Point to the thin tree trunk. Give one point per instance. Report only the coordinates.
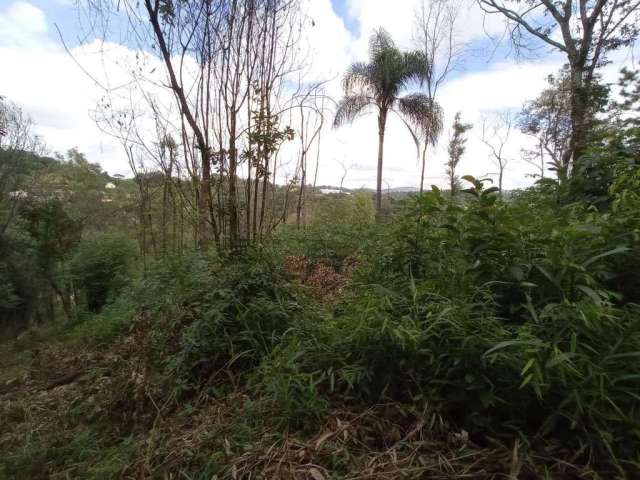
(255, 196)
(303, 180)
(315, 175)
(263, 203)
(232, 200)
(248, 182)
(165, 208)
(424, 161)
(382, 121)
(153, 11)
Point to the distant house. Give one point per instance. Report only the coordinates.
(110, 186)
(18, 194)
(333, 190)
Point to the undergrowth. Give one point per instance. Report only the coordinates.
(474, 323)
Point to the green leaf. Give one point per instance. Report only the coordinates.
(615, 251)
(549, 277)
(527, 366)
(591, 293)
(470, 178)
(508, 343)
(625, 355)
(634, 376)
(526, 381)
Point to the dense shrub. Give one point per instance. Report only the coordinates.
(338, 229)
(212, 313)
(103, 327)
(101, 268)
(503, 313)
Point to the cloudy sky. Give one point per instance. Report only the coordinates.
(37, 73)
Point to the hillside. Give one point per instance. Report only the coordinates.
(221, 310)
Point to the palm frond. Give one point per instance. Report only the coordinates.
(413, 130)
(359, 77)
(349, 107)
(415, 67)
(424, 113)
(379, 42)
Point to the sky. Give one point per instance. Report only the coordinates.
(55, 84)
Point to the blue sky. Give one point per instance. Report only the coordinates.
(62, 99)
(341, 8)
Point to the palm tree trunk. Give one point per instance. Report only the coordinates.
(382, 122)
(424, 161)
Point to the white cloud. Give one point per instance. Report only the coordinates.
(49, 86)
(22, 24)
(48, 83)
(398, 18)
(326, 41)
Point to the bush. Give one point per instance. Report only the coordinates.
(101, 328)
(337, 230)
(501, 313)
(102, 267)
(212, 313)
(290, 395)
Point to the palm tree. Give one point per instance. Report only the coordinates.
(378, 84)
(427, 133)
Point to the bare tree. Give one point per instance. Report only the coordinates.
(346, 167)
(16, 140)
(311, 123)
(588, 31)
(536, 158)
(225, 63)
(436, 37)
(495, 135)
(16, 130)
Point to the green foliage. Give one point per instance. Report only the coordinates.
(101, 268)
(456, 148)
(516, 319)
(87, 454)
(54, 232)
(103, 327)
(290, 394)
(46, 204)
(339, 225)
(216, 313)
(614, 148)
(356, 209)
(491, 309)
(21, 277)
(8, 297)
